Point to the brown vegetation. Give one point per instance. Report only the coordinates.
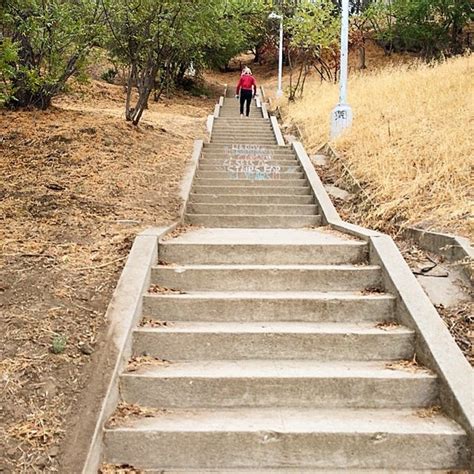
(78, 184)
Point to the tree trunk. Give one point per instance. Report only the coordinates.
(362, 61)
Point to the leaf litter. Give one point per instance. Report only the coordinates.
(73, 175)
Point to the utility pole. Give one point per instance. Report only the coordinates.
(341, 116)
(274, 16)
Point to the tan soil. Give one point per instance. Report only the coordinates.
(78, 184)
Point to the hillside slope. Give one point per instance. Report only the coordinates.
(78, 184)
(410, 145)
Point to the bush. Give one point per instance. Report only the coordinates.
(43, 45)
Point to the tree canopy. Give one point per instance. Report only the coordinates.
(43, 43)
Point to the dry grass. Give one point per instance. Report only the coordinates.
(410, 145)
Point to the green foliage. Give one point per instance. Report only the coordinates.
(429, 27)
(8, 61)
(313, 31)
(52, 39)
(58, 344)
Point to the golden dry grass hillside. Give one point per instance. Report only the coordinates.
(411, 142)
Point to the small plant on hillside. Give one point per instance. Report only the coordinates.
(58, 345)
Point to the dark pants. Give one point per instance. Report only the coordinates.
(245, 98)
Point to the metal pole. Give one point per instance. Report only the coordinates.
(341, 116)
(344, 52)
(280, 61)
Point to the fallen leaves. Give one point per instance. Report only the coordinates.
(154, 323)
(163, 290)
(126, 412)
(407, 365)
(387, 325)
(429, 412)
(119, 469)
(138, 362)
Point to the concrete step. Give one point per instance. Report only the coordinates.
(243, 133)
(257, 438)
(298, 471)
(239, 341)
(225, 165)
(273, 173)
(243, 148)
(236, 115)
(272, 183)
(243, 141)
(267, 277)
(256, 129)
(276, 155)
(249, 221)
(251, 199)
(271, 306)
(222, 160)
(262, 254)
(253, 209)
(247, 121)
(251, 190)
(277, 383)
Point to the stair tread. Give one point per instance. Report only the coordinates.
(275, 295)
(179, 268)
(266, 237)
(280, 327)
(289, 369)
(296, 420)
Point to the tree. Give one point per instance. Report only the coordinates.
(428, 27)
(158, 40)
(44, 43)
(314, 37)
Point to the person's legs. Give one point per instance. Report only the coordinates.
(248, 100)
(242, 102)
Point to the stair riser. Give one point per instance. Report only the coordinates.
(179, 308)
(244, 131)
(213, 449)
(242, 135)
(256, 130)
(273, 174)
(251, 190)
(243, 141)
(350, 392)
(266, 280)
(252, 199)
(219, 164)
(218, 147)
(271, 183)
(253, 222)
(263, 254)
(276, 346)
(253, 209)
(220, 157)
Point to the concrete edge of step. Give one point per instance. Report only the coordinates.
(122, 315)
(277, 131)
(435, 346)
(189, 175)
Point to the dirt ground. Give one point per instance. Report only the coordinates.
(78, 183)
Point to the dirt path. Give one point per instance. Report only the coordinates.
(79, 183)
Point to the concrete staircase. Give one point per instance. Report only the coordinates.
(271, 347)
(245, 179)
